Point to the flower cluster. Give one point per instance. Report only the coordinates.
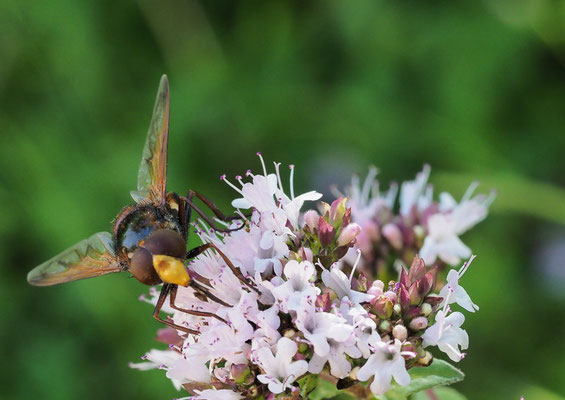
(301, 306)
(398, 224)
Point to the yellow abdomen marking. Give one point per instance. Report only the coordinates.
(171, 270)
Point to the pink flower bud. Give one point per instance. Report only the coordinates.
(337, 210)
(376, 288)
(306, 254)
(311, 218)
(400, 332)
(393, 234)
(418, 323)
(348, 234)
(326, 232)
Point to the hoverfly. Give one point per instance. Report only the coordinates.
(149, 238)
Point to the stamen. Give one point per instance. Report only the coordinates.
(262, 163)
(248, 173)
(336, 192)
(469, 192)
(238, 190)
(367, 184)
(355, 266)
(277, 165)
(391, 194)
(465, 266)
(291, 166)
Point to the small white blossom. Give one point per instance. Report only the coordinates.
(297, 288)
(319, 327)
(454, 293)
(336, 280)
(447, 334)
(280, 370)
(384, 364)
(445, 227)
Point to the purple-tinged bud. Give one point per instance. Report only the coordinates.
(382, 306)
(240, 373)
(417, 269)
(376, 288)
(311, 218)
(404, 280)
(348, 234)
(403, 296)
(400, 332)
(419, 323)
(393, 234)
(412, 312)
(414, 295)
(346, 220)
(326, 232)
(337, 211)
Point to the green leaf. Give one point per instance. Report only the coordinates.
(441, 393)
(328, 390)
(307, 385)
(439, 373)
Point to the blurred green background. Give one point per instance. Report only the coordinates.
(476, 89)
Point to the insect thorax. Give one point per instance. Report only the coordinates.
(137, 222)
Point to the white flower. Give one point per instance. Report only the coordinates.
(454, 293)
(447, 334)
(384, 364)
(161, 359)
(319, 327)
(455, 219)
(280, 370)
(297, 288)
(336, 280)
(339, 366)
(412, 193)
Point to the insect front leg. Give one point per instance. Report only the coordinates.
(162, 297)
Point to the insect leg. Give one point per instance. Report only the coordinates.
(202, 248)
(172, 299)
(208, 220)
(162, 297)
(214, 208)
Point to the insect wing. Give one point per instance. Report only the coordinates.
(152, 174)
(87, 259)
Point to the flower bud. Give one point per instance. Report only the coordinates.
(306, 254)
(337, 211)
(326, 233)
(382, 306)
(348, 234)
(385, 326)
(397, 309)
(418, 323)
(311, 218)
(393, 234)
(426, 309)
(376, 288)
(400, 332)
(240, 372)
(426, 359)
(289, 333)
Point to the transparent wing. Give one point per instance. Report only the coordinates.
(87, 259)
(152, 174)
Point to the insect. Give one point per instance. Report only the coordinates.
(149, 238)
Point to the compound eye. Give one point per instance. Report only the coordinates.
(141, 266)
(166, 242)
